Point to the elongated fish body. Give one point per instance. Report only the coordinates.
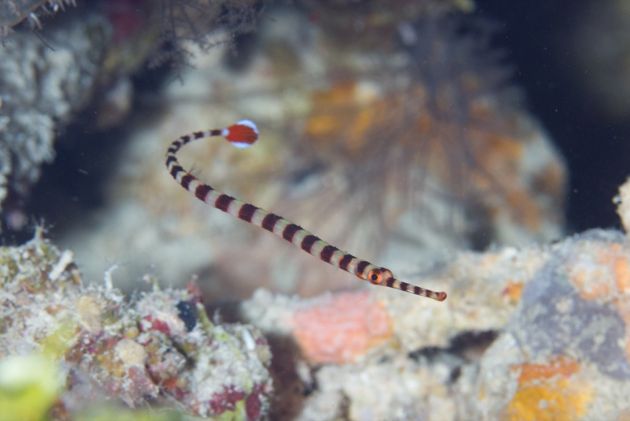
(243, 134)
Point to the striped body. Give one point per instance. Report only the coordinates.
(243, 134)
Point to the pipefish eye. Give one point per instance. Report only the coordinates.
(375, 276)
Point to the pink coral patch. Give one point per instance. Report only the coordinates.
(253, 403)
(226, 400)
(341, 328)
(156, 324)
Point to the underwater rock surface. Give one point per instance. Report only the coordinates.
(525, 334)
(565, 353)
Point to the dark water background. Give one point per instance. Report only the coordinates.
(537, 35)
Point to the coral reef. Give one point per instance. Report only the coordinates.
(49, 75)
(392, 130)
(484, 292)
(623, 205)
(159, 349)
(531, 333)
(41, 89)
(564, 355)
(396, 389)
(526, 334)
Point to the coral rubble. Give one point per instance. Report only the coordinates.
(159, 349)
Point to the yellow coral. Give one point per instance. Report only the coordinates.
(60, 340)
(513, 291)
(549, 392)
(555, 400)
(123, 414)
(29, 385)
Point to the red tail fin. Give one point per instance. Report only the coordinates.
(242, 134)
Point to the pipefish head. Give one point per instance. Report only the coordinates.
(384, 277)
(378, 276)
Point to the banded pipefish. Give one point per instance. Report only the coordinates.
(244, 134)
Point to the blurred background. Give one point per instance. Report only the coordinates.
(401, 131)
